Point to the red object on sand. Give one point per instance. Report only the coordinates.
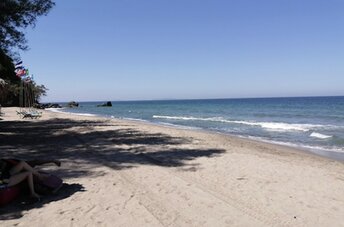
(8, 194)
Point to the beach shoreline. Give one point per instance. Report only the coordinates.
(142, 174)
(333, 155)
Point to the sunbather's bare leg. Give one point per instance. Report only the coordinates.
(34, 163)
(17, 178)
(23, 166)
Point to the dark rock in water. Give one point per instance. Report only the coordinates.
(38, 105)
(55, 105)
(72, 104)
(105, 104)
(47, 105)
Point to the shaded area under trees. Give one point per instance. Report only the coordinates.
(76, 141)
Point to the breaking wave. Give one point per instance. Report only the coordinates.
(320, 136)
(271, 126)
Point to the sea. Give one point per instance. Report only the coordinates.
(314, 124)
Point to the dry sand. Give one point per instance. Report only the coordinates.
(124, 173)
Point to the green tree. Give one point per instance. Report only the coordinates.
(39, 91)
(15, 16)
(9, 94)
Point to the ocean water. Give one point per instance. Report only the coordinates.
(312, 123)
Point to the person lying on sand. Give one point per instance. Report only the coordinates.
(13, 172)
(37, 162)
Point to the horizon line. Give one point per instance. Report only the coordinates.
(192, 99)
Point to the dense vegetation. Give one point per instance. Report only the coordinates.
(15, 16)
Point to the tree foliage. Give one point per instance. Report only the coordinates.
(9, 94)
(15, 16)
(39, 91)
(7, 68)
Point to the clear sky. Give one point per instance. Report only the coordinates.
(184, 49)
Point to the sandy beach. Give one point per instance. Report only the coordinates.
(127, 173)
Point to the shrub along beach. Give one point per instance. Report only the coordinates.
(129, 173)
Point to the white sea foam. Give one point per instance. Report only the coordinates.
(326, 149)
(179, 126)
(277, 126)
(319, 135)
(83, 114)
(134, 119)
(57, 110)
(271, 126)
(300, 146)
(182, 118)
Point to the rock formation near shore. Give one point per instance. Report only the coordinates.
(107, 104)
(47, 105)
(72, 104)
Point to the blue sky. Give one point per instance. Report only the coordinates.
(184, 49)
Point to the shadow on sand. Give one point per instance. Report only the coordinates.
(76, 141)
(15, 209)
